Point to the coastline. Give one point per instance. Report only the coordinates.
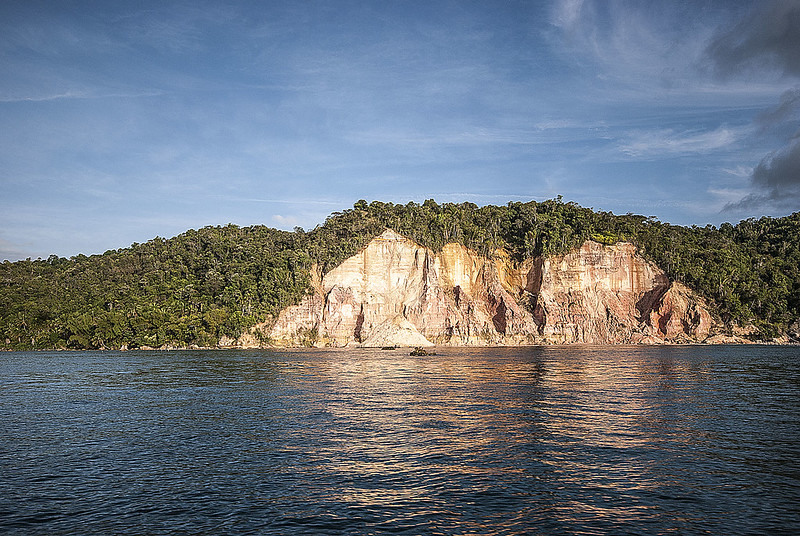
(169, 348)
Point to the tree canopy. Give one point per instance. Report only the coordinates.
(215, 282)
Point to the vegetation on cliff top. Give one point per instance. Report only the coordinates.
(214, 282)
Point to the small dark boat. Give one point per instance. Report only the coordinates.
(420, 351)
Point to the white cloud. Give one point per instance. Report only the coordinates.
(740, 172)
(667, 142)
(97, 93)
(285, 221)
(645, 50)
(635, 44)
(566, 14)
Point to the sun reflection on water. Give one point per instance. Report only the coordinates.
(552, 440)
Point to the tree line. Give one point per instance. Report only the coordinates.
(214, 282)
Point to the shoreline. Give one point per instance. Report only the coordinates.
(385, 349)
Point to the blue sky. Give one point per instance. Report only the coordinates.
(122, 121)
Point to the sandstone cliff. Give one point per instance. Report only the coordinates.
(609, 294)
(396, 292)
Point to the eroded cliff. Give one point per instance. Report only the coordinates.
(608, 294)
(396, 292)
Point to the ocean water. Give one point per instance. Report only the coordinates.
(553, 440)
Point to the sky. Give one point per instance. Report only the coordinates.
(121, 121)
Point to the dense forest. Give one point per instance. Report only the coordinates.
(214, 282)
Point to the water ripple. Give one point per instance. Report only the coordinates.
(572, 440)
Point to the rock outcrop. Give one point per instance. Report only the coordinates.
(395, 292)
(398, 293)
(610, 295)
(794, 331)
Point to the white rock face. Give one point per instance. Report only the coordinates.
(395, 292)
(610, 295)
(396, 332)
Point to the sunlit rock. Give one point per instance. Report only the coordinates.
(395, 292)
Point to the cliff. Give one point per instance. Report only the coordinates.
(609, 294)
(395, 292)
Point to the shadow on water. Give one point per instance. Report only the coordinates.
(540, 440)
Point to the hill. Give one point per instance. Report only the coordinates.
(206, 284)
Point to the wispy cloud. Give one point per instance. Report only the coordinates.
(667, 142)
(741, 172)
(640, 51)
(207, 112)
(308, 201)
(285, 221)
(82, 95)
(634, 45)
(466, 137)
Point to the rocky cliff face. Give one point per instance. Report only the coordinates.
(608, 294)
(395, 292)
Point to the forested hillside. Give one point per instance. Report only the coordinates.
(204, 284)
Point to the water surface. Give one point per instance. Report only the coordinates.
(555, 440)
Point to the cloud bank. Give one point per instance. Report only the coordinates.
(764, 43)
(776, 180)
(767, 39)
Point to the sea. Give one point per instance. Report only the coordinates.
(578, 440)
